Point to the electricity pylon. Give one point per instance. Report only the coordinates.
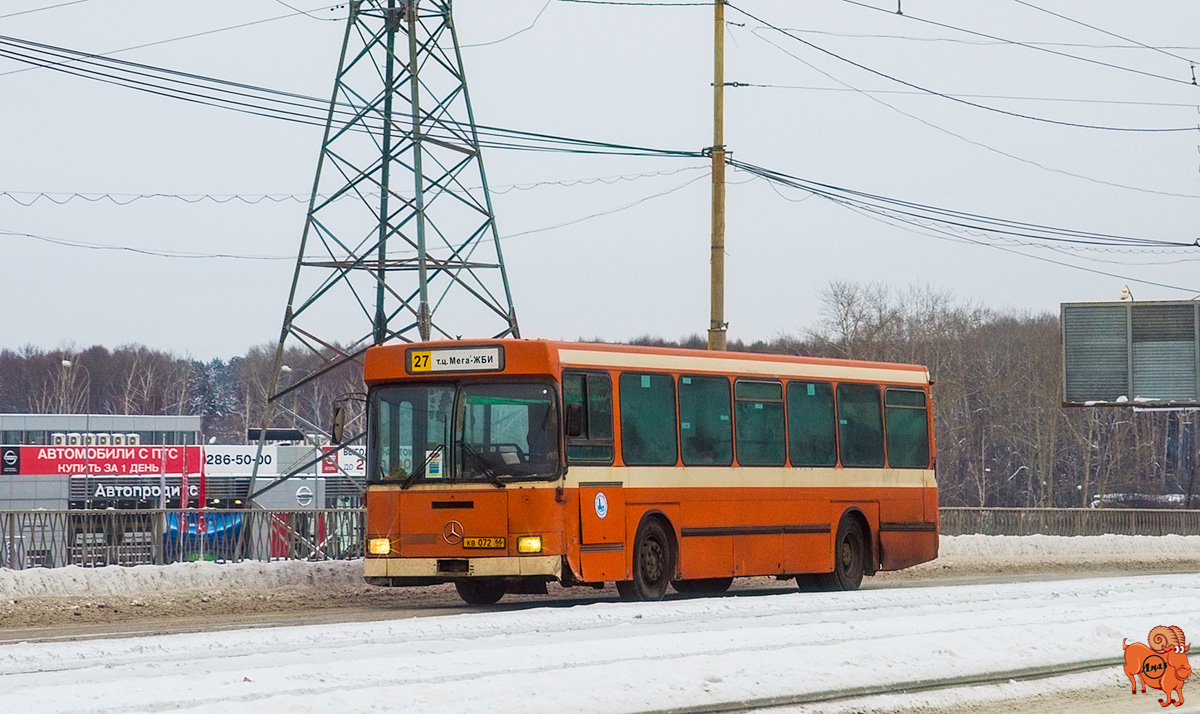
(400, 242)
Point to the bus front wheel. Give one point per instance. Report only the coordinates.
(480, 592)
(653, 563)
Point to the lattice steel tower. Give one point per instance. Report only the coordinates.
(400, 240)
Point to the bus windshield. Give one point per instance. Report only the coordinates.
(409, 432)
(476, 432)
(507, 430)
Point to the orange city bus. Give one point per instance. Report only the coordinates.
(502, 465)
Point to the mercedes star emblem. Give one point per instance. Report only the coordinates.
(452, 532)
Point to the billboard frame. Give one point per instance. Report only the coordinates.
(1130, 398)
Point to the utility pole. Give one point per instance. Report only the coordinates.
(717, 324)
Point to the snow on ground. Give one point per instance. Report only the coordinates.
(964, 554)
(606, 657)
(147, 580)
(1013, 550)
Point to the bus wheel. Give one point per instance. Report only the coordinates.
(849, 557)
(702, 586)
(480, 592)
(812, 583)
(653, 562)
(627, 590)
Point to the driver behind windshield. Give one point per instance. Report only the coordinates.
(541, 438)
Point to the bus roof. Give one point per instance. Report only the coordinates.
(392, 362)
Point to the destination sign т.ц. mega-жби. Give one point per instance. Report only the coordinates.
(456, 359)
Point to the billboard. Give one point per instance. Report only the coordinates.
(1131, 354)
(105, 460)
(139, 460)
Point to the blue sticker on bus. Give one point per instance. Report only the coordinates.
(601, 505)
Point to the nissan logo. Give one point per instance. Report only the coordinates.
(10, 457)
(304, 496)
(452, 532)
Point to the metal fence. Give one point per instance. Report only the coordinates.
(1069, 521)
(51, 539)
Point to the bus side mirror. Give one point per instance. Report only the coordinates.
(574, 420)
(339, 425)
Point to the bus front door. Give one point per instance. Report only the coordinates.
(602, 553)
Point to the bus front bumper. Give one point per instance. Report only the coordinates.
(447, 569)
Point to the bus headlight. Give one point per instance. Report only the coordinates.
(379, 546)
(529, 544)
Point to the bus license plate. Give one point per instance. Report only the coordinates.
(483, 543)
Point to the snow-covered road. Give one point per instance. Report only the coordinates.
(611, 657)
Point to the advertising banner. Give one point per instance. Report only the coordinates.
(239, 460)
(351, 460)
(108, 460)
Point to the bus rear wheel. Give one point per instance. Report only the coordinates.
(480, 592)
(849, 561)
(653, 563)
(702, 586)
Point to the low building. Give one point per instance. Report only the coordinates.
(98, 429)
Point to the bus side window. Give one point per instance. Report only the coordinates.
(758, 417)
(907, 429)
(705, 425)
(594, 393)
(812, 427)
(860, 425)
(648, 430)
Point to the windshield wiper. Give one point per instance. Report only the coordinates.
(488, 473)
(420, 470)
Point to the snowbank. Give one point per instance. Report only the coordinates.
(968, 553)
(985, 552)
(74, 581)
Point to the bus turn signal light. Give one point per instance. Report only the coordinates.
(379, 546)
(529, 544)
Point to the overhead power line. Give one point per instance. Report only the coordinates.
(609, 212)
(190, 36)
(1040, 47)
(281, 105)
(937, 127)
(40, 9)
(309, 13)
(963, 220)
(916, 228)
(186, 255)
(1010, 97)
(948, 97)
(1160, 50)
(522, 31)
(975, 229)
(30, 198)
(190, 255)
(974, 43)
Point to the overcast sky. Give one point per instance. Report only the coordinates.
(638, 75)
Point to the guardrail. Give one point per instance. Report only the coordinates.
(95, 538)
(1069, 521)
